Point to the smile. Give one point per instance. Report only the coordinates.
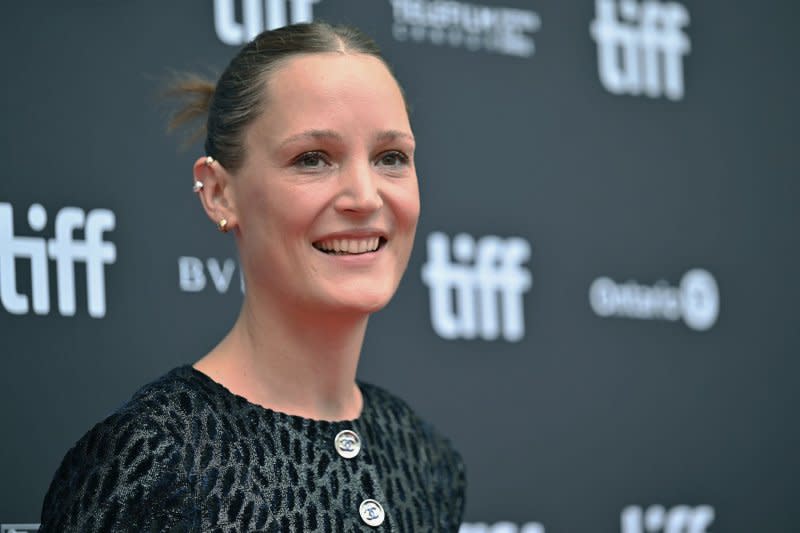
(349, 246)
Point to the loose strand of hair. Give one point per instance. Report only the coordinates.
(195, 93)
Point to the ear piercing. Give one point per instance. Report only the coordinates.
(222, 225)
(198, 185)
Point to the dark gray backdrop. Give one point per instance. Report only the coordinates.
(579, 426)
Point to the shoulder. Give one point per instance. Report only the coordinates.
(390, 408)
(419, 435)
(151, 422)
(128, 471)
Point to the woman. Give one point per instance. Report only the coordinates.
(310, 165)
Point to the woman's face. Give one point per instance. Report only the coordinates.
(327, 201)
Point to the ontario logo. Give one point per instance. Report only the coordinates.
(695, 300)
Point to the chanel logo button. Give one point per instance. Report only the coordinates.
(348, 443)
(371, 513)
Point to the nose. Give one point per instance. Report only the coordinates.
(359, 192)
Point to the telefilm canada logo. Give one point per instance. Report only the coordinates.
(499, 30)
(236, 22)
(696, 300)
(640, 47)
(658, 519)
(65, 250)
(18, 528)
(501, 527)
(480, 294)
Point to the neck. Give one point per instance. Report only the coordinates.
(291, 360)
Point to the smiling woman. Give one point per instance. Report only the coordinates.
(310, 165)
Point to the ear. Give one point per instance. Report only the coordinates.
(216, 194)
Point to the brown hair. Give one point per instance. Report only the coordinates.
(238, 97)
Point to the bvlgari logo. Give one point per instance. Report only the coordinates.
(197, 275)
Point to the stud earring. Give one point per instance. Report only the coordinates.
(209, 161)
(222, 225)
(198, 186)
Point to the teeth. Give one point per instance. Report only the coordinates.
(349, 246)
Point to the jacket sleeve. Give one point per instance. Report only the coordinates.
(126, 474)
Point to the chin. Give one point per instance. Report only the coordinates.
(362, 302)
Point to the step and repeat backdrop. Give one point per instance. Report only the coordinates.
(600, 310)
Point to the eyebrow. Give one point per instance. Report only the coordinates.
(312, 134)
(388, 135)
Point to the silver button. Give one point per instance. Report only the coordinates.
(348, 443)
(371, 513)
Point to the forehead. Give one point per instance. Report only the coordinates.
(344, 92)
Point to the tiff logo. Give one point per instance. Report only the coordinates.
(65, 250)
(479, 295)
(640, 46)
(232, 32)
(656, 519)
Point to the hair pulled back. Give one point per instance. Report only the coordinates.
(238, 97)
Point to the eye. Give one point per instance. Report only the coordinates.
(310, 161)
(393, 158)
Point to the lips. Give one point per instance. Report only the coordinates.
(350, 245)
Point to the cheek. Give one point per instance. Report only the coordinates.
(252, 201)
(269, 210)
(406, 207)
